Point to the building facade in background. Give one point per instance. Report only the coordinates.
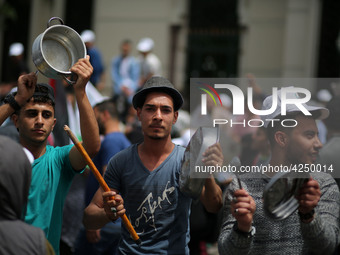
(219, 38)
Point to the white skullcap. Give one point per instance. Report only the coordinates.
(16, 49)
(226, 100)
(324, 95)
(145, 45)
(88, 36)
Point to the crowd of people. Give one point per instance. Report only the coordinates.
(136, 139)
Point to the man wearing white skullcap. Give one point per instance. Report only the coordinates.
(16, 49)
(15, 67)
(150, 65)
(97, 78)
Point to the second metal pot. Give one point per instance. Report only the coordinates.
(191, 181)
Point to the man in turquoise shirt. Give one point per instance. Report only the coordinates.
(32, 110)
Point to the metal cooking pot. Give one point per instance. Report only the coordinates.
(279, 200)
(56, 50)
(190, 181)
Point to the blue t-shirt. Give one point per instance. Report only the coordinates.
(97, 64)
(52, 175)
(111, 145)
(157, 209)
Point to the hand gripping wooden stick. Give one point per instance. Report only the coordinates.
(101, 180)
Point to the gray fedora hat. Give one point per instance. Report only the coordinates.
(157, 83)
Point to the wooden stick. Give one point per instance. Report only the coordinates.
(101, 181)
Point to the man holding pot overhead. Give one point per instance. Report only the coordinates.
(32, 109)
(147, 177)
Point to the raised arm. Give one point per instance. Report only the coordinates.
(26, 86)
(211, 195)
(88, 123)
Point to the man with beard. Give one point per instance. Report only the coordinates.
(104, 240)
(314, 226)
(147, 177)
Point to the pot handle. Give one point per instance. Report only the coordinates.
(53, 18)
(72, 80)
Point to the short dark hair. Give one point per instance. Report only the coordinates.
(44, 93)
(108, 105)
(276, 126)
(126, 41)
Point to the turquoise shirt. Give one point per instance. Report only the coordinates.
(52, 175)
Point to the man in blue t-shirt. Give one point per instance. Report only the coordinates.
(125, 72)
(32, 109)
(146, 175)
(104, 240)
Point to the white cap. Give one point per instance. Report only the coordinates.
(324, 95)
(268, 102)
(16, 49)
(88, 36)
(226, 100)
(145, 44)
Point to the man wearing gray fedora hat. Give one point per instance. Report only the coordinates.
(146, 175)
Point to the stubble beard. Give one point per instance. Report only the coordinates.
(156, 137)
